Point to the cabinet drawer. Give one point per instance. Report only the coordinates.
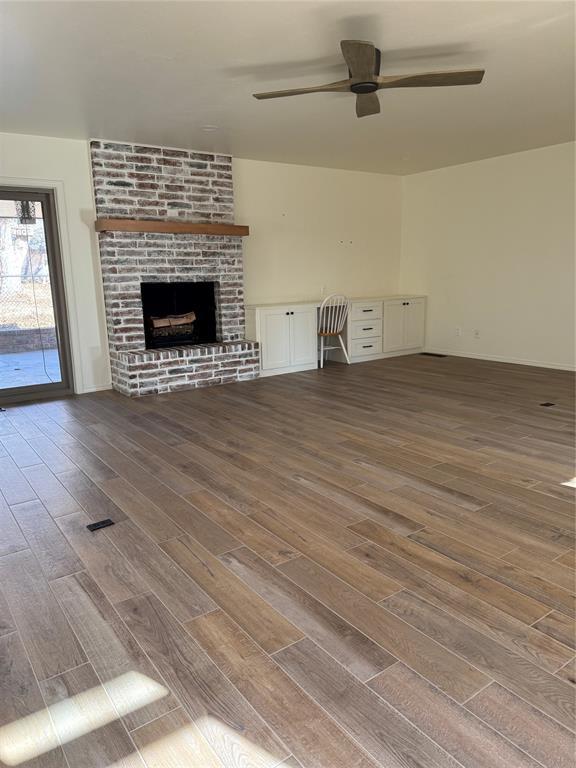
(362, 347)
(365, 310)
(362, 329)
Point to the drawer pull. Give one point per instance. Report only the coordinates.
(367, 329)
(367, 346)
(367, 310)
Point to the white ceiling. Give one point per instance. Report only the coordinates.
(160, 72)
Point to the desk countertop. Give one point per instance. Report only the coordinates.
(317, 302)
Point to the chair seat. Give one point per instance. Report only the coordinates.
(327, 333)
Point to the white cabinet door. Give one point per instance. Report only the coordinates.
(304, 335)
(275, 339)
(414, 313)
(393, 330)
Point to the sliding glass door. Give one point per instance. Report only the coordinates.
(34, 342)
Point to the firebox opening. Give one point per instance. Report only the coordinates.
(178, 314)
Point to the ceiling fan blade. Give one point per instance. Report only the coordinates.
(431, 79)
(336, 87)
(360, 56)
(367, 104)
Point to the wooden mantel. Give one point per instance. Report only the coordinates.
(171, 227)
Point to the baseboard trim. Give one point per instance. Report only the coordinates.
(502, 359)
(339, 357)
(93, 388)
(291, 369)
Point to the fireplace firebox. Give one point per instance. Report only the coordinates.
(179, 313)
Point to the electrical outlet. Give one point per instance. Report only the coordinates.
(476, 333)
(458, 331)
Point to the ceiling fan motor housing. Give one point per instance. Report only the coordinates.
(364, 87)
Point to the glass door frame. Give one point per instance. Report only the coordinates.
(47, 197)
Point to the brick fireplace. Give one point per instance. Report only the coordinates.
(169, 343)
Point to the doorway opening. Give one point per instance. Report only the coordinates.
(35, 358)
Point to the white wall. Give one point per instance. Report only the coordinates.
(492, 245)
(314, 228)
(63, 164)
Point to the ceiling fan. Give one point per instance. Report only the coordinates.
(363, 60)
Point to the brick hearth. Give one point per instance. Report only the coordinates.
(156, 183)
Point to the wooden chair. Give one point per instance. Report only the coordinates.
(332, 317)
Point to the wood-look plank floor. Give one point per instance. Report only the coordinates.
(363, 566)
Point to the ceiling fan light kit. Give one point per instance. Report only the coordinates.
(364, 78)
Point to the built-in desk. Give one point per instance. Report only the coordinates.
(381, 326)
